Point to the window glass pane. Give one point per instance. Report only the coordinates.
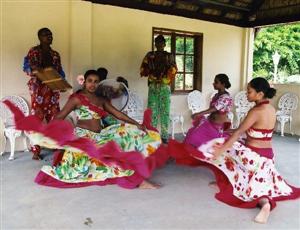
(179, 82)
(189, 81)
(189, 64)
(179, 45)
(182, 46)
(179, 62)
(168, 42)
(189, 45)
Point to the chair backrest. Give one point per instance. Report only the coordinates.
(288, 102)
(241, 102)
(195, 100)
(135, 105)
(7, 115)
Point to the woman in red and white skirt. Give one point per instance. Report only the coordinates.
(244, 169)
(249, 167)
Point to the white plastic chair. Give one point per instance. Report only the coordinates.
(242, 106)
(134, 107)
(288, 103)
(195, 100)
(174, 119)
(9, 125)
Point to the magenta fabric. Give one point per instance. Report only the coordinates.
(111, 154)
(204, 132)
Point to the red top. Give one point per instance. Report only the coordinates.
(85, 101)
(260, 134)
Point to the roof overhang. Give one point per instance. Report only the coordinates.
(242, 13)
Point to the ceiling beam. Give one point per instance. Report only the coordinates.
(224, 11)
(170, 11)
(228, 7)
(222, 5)
(253, 10)
(277, 20)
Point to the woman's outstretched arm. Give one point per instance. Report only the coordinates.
(121, 116)
(248, 122)
(68, 108)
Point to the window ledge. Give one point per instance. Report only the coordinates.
(179, 93)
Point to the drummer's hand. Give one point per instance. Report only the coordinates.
(142, 127)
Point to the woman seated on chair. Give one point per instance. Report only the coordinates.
(213, 126)
(125, 154)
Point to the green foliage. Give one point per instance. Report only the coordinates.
(285, 39)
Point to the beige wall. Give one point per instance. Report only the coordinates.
(92, 35)
(122, 37)
(20, 22)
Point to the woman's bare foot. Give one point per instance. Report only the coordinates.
(214, 185)
(148, 185)
(263, 215)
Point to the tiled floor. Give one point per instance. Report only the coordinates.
(183, 202)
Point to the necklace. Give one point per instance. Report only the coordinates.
(262, 103)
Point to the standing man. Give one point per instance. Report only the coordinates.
(44, 101)
(160, 68)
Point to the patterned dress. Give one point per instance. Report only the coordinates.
(244, 174)
(160, 68)
(44, 102)
(120, 154)
(204, 129)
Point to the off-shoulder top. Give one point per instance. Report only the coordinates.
(260, 134)
(87, 110)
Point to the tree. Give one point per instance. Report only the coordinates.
(283, 38)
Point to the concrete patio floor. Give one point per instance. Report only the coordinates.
(183, 202)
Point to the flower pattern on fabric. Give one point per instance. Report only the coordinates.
(60, 135)
(84, 113)
(44, 102)
(159, 102)
(127, 136)
(77, 167)
(159, 67)
(34, 60)
(222, 103)
(250, 174)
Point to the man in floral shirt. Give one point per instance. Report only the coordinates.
(160, 68)
(44, 101)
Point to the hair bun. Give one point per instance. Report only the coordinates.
(224, 79)
(271, 92)
(227, 85)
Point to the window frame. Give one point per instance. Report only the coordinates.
(197, 55)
